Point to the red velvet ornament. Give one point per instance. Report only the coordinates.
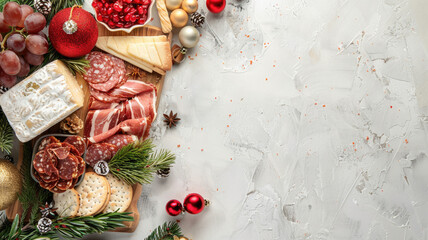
(174, 207)
(74, 38)
(194, 203)
(216, 6)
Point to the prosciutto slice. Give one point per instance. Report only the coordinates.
(131, 88)
(139, 127)
(94, 104)
(143, 105)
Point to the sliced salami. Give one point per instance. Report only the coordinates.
(81, 167)
(39, 161)
(73, 150)
(120, 68)
(49, 178)
(101, 68)
(68, 167)
(75, 180)
(48, 186)
(97, 152)
(121, 140)
(113, 148)
(46, 141)
(78, 143)
(64, 184)
(61, 152)
(53, 145)
(56, 190)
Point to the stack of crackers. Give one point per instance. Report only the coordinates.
(96, 194)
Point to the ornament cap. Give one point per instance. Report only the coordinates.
(70, 27)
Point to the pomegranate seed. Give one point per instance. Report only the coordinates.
(117, 7)
(109, 10)
(94, 4)
(140, 9)
(111, 24)
(127, 17)
(128, 1)
(104, 1)
(106, 5)
(132, 11)
(128, 25)
(146, 1)
(100, 5)
(100, 17)
(119, 25)
(133, 18)
(103, 11)
(105, 19)
(141, 21)
(127, 9)
(115, 19)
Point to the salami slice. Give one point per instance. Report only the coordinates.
(53, 145)
(97, 152)
(48, 186)
(81, 167)
(120, 68)
(73, 150)
(78, 143)
(56, 190)
(49, 178)
(64, 184)
(110, 84)
(68, 167)
(75, 180)
(46, 141)
(40, 161)
(113, 148)
(121, 140)
(61, 152)
(101, 68)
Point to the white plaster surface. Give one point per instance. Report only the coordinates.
(308, 121)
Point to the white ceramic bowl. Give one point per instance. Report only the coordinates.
(128, 30)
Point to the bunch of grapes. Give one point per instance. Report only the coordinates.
(22, 44)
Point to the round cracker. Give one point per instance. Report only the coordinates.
(121, 195)
(106, 202)
(67, 203)
(93, 191)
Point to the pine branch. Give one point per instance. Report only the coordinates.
(167, 231)
(136, 162)
(6, 134)
(58, 5)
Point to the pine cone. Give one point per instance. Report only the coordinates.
(197, 19)
(43, 6)
(163, 173)
(44, 225)
(72, 124)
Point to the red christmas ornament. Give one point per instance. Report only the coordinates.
(73, 32)
(174, 207)
(194, 203)
(216, 6)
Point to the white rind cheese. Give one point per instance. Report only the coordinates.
(41, 100)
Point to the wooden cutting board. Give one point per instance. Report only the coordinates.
(154, 78)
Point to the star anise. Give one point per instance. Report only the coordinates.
(48, 210)
(135, 72)
(171, 120)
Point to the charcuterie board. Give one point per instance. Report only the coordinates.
(154, 78)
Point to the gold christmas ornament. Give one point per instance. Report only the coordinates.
(179, 18)
(10, 184)
(189, 36)
(183, 238)
(173, 4)
(190, 6)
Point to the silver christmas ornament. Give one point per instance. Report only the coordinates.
(189, 36)
(101, 168)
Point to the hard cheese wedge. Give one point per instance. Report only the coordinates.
(42, 100)
(158, 53)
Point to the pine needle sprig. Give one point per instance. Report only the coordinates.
(6, 134)
(167, 231)
(138, 162)
(58, 5)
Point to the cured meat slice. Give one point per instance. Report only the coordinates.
(100, 121)
(121, 140)
(131, 88)
(105, 97)
(143, 105)
(73, 150)
(78, 143)
(68, 167)
(81, 167)
(48, 186)
(64, 184)
(100, 70)
(112, 148)
(97, 152)
(56, 190)
(139, 127)
(61, 152)
(46, 141)
(94, 104)
(118, 76)
(75, 180)
(40, 161)
(53, 145)
(49, 178)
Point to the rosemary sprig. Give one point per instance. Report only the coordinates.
(167, 231)
(6, 134)
(137, 162)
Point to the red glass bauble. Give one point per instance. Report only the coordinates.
(80, 42)
(194, 203)
(174, 207)
(216, 6)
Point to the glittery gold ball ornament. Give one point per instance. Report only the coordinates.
(10, 184)
(183, 238)
(189, 36)
(179, 18)
(173, 4)
(190, 6)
